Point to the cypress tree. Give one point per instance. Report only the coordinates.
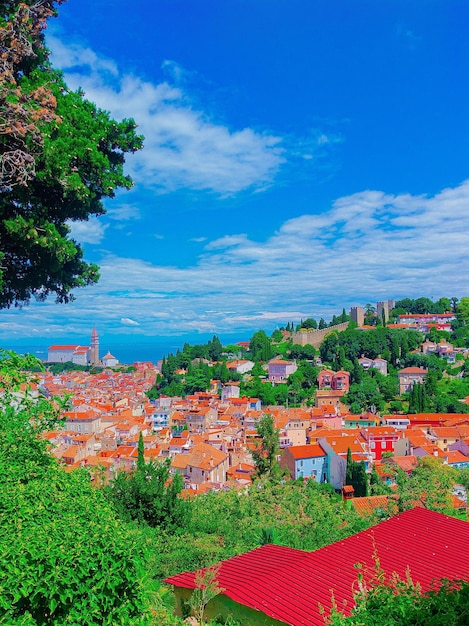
(141, 454)
(349, 470)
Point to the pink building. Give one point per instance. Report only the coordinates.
(280, 370)
(337, 381)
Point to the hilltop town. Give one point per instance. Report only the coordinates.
(290, 460)
(210, 432)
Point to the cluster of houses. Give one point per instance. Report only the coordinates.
(209, 436)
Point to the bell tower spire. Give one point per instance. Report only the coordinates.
(94, 347)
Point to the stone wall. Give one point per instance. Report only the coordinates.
(316, 337)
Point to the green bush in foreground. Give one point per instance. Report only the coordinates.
(65, 557)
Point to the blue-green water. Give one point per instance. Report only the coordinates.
(127, 351)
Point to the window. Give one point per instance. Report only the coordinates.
(383, 445)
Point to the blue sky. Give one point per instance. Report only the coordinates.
(300, 156)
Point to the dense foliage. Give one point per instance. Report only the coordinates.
(66, 557)
(356, 476)
(148, 495)
(59, 157)
(395, 601)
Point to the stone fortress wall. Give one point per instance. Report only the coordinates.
(314, 338)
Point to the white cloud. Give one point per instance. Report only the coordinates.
(184, 147)
(129, 322)
(91, 231)
(74, 56)
(124, 212)
(366, 247)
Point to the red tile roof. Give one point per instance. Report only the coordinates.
(429, 544)
(306, 452)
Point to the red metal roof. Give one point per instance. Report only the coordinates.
(289, 585)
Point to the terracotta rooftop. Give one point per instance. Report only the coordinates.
(306, 452)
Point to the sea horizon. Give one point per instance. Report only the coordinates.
(124, 349)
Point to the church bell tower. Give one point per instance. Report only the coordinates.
(94, 347)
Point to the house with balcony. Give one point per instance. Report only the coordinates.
(336, 381)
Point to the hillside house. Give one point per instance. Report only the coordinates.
(199, 419)
(279, 370)
(87, 421)
(330, 397)
(409, 376)
(336, 381)
(206, 464)
(381, 365)
(296, 587)
(230, 390)
(241, 366)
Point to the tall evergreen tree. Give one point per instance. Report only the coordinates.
(349, 469)
(141, 454)
(395, 350)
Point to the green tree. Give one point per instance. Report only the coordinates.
(430, 484)
(141, 454)
(277, 336)
(328, 348)
(149, 496)
(349, 468)
(395, 350)
(423, 305)
(207, 588)
(198, 381)
(69, 157)
(302, 352)
(365, 395)
(260, 346)
(462, 311)
(309, 323)
(370, 314)
(443, 305)
(267, 448)
(394, 601)
(215, 348)
(355, 475)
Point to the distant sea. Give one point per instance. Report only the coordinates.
(154, 349)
